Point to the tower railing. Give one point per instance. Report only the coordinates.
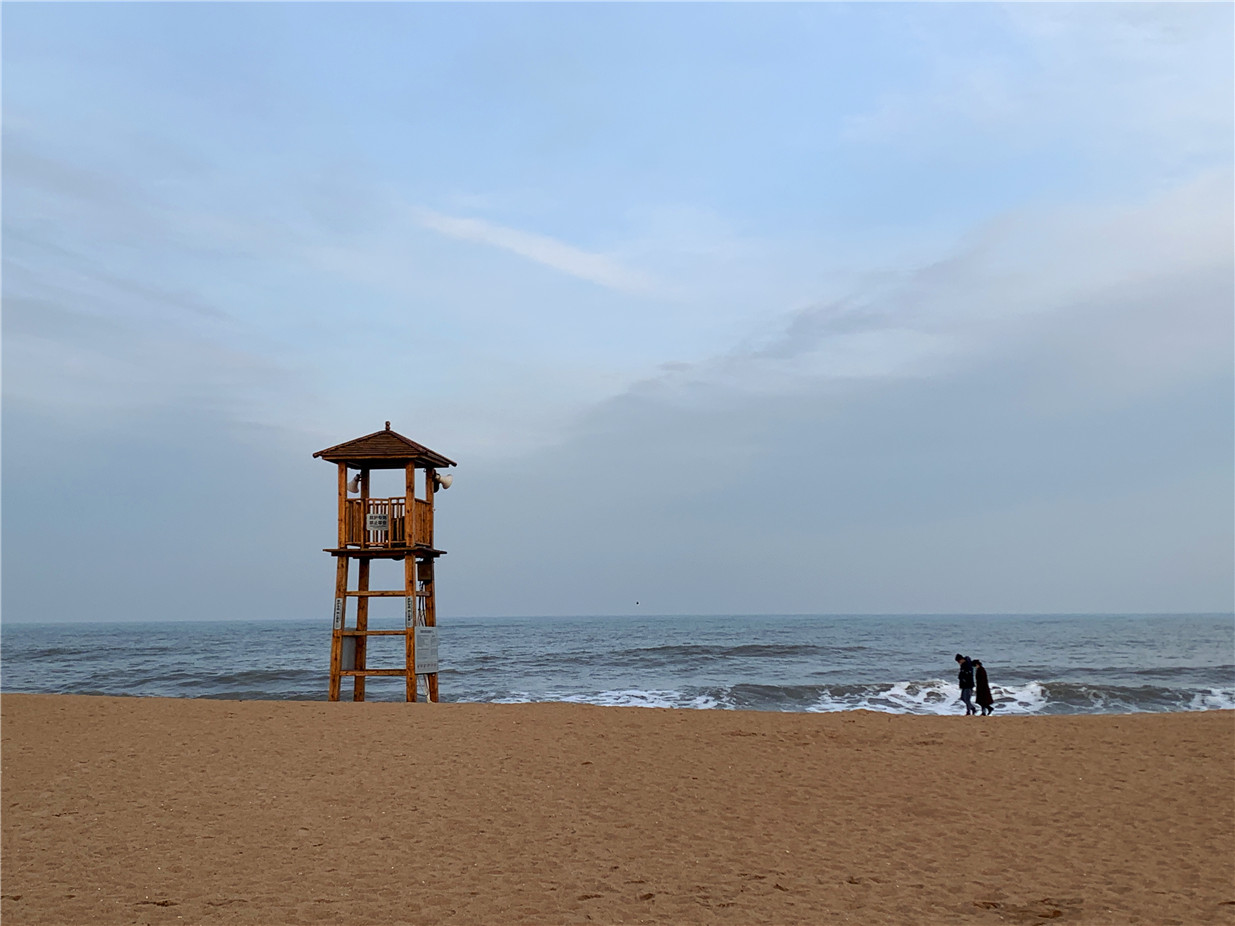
(382, 523)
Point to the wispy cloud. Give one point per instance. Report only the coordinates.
(1102, 78)
(1136, 296)
(541, 249)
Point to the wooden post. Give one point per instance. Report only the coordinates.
(431, 586)
(429, 476)
(409, 576)
(340, 622)
(342, 504)
(431, 620)
(362, 624)
(409, 504)
(409, 620)
(364, 508)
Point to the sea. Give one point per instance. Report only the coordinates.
(901, 664)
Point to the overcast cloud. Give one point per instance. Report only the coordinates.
(721, 308)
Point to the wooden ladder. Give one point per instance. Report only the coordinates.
(348, 650)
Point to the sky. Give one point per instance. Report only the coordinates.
(721, 308)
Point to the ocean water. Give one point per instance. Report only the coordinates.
(1038, 664)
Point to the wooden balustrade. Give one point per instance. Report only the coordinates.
(422, 519)
(363, 520)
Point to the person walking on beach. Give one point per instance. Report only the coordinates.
(982, 692)
(965, 678)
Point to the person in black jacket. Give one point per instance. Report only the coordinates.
(983, 689)
(965, 679)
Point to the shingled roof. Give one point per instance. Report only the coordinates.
(384, 449)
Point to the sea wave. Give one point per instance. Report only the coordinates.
(677, 651)
(930, 696)
(891, 664)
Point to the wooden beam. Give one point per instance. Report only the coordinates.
(383, 593)
(427, 537)
(342, 504)
(384, 552)
(409, 504)
(362, 624)
(431, 620)
(364, 508)
(430, 475)
(409, 626)
(339, 620)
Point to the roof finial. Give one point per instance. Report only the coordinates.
(387, 425)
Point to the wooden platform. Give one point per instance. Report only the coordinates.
(384, 552)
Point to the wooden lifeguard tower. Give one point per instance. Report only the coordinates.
(398, 528)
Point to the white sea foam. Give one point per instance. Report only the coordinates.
(636, 697)
(625, 697)
(1028, 699)
(1216, 699)
(934, 696)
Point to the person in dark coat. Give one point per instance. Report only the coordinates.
(965, 679)
(983, 690)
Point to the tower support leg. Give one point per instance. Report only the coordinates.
(340, 621)
(431, 621)
(409, 619)
(362, 624)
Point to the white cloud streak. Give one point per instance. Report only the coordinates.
(541, 249)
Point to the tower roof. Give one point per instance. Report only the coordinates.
(384, 449)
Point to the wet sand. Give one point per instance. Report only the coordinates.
(127, 810)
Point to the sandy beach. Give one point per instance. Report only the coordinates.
(136, 810)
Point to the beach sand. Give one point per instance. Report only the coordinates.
(128, 810)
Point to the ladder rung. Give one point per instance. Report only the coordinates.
(373, 633)
(373, 672)
(380, 594)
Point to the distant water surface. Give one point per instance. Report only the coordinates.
(1038, 664)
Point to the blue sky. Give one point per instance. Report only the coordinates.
(721, 308)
